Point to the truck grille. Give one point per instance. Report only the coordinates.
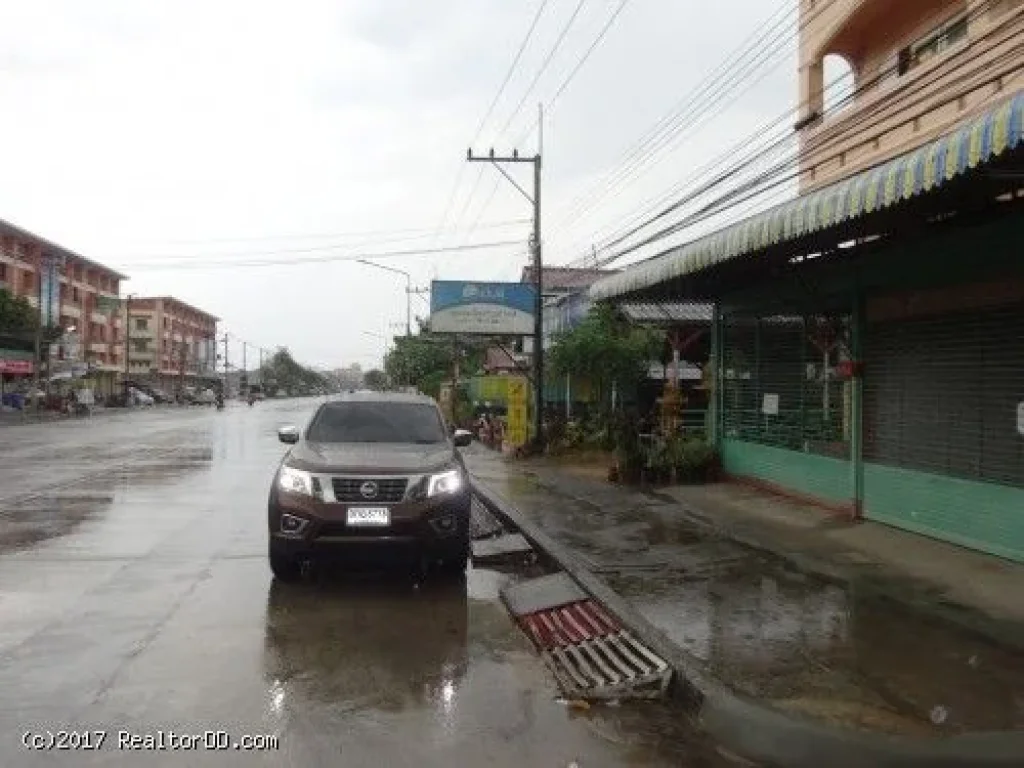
(351, 489)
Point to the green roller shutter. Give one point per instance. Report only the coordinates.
(943, 448)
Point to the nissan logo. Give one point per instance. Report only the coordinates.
(368, 490)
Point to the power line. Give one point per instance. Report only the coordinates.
(544, 66)
(328, 259)
(815, 146)
(324, 247)
(748, 152)
(575, 70)
(695, 106)
(699, 105)
(419, 231)
(548, 58)
(639, 148)
(493, 104)
(508, 75)
(750, 187)
(558, 92)
(586, 55)
(759, 185)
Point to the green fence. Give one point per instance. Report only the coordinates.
(780, 386)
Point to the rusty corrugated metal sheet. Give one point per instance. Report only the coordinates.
(592, 655)
(569, 625)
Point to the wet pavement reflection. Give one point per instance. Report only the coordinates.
(806, 645)
(135, 596)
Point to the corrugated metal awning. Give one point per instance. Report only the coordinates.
(668, 313)
(929, 167)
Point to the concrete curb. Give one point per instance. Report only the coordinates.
(744, 725)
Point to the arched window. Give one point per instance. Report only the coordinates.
(840, 83)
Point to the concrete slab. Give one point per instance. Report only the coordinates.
(500, 548)
(542, 593)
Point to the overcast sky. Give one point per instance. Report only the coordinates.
(185, 142)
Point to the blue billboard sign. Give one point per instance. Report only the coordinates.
(495, 309)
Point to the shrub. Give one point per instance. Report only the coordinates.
(693, 460)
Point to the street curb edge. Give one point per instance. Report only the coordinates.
(741, 723)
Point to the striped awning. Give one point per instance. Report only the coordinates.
(999, 129)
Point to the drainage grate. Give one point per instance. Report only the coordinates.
(592, 656)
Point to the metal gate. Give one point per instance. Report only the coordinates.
(944, 423)
(786, 416)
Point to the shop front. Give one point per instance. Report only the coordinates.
(866, 340)
(16, 371)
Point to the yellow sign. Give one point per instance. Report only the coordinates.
(493, 388)
(517, 411)
(516, 390)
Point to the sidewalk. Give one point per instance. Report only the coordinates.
(807, 632)
(979, 591)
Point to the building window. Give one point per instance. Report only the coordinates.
(29, 281)
(934, 44)
(141, 323)
(140, 345)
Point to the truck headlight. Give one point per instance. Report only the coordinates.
(295, 481)
(444, 483)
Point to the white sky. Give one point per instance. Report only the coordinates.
(185, 132)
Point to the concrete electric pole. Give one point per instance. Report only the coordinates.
(538, 323)
(226, 387)
(127, 347)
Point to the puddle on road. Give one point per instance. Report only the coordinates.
(31, 520)
(34, 520)
(804, 644)
(338, 650)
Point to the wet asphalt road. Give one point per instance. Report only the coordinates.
(135, 598)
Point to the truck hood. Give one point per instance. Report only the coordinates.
(371, 458)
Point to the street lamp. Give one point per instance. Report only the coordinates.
(408, 290)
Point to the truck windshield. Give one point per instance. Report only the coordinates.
(379, 422)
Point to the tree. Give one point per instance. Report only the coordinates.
(16, 314)
(375, 379)
(608, 351)
(288, 374)
(427, 359)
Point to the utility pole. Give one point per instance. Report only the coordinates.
(39, 331)
(127, 346)
(226, 387)
(538, 323)
(244, 382)
(181, 368)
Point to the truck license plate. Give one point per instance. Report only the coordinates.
(368, 516)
